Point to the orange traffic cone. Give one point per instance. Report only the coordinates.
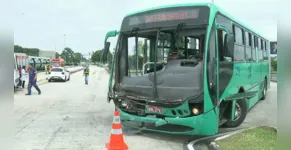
(116, 138)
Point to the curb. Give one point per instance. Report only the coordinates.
(232, 134)
(210, 141)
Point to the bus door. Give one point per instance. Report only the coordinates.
(225, 63)
(256, 67)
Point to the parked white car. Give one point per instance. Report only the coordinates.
(59, 73)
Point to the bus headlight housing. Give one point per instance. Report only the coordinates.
(195, 111)
(124, 103)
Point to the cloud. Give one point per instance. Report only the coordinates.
(100, 28)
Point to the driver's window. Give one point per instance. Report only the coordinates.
(137, 59)
(221, 34)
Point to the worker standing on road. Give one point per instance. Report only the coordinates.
(86, 74)
(32, 73)
(49, 67)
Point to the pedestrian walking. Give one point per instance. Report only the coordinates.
(32, 80)
(23, 76)
(86, 74)
(49, 68)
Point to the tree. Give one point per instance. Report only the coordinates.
(140, 46)
(68, 54)
(274, 64)
(78, 57)
(96, 56)
(57, 55)
(27, 51)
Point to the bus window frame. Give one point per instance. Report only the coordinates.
(238, 45)
(248, 45)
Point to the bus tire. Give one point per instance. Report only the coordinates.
(242, 105)
(264, 92)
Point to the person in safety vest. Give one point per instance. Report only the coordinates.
(86, 74)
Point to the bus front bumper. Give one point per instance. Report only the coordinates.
(191, 124)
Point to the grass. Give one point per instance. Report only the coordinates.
(260, 138)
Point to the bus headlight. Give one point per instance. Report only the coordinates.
(124, 104)
(195, 111)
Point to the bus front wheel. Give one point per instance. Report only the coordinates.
(240, 114)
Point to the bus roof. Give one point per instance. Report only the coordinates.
(213, 6)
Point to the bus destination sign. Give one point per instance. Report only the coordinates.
(190, 15)
(164, 16)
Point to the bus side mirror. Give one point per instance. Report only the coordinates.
(105, 51)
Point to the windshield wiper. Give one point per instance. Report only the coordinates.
(134, 31)
(179, 27)
(155, 65)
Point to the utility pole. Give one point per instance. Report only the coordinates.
(65, 44)
(65, 40)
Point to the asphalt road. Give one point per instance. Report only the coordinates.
(76, 116)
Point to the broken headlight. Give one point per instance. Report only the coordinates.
(126, 104)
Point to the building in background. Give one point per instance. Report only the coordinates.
(50, 54)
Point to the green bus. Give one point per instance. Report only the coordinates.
(194, 69)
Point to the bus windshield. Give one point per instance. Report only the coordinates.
(178, 57)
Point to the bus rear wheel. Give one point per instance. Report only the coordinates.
(239, 115)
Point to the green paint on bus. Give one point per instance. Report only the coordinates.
(223, 71)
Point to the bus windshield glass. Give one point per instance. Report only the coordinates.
(175, 54)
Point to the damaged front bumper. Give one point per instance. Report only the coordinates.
(192, 125)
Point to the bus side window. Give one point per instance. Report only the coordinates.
(239, 52)
(221, 51)
(255, 46)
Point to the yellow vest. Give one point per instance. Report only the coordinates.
(86, 72)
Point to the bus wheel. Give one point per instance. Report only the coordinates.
(239, 115)
(264, 92)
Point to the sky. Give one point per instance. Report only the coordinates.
(43, 24)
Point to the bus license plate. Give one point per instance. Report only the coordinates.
(155, 109)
